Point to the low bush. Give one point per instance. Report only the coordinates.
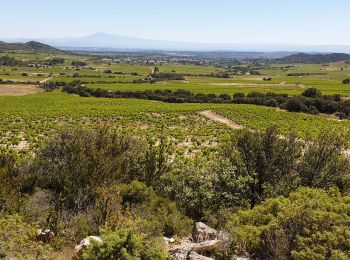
(18, 239)
(309, 224)
(126, 244)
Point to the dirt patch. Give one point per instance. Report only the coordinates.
(15, 90)
(220, 119)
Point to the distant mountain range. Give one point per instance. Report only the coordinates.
(281, 57)
(111, 42)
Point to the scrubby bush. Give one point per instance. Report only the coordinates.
(75, 162)
(36, 207)
(159, 216)
(311, 92)
(126, 244)
(79, 63)
(324, 163)
(265, 163)
(346, 81)
(309, 224)
(18, 240)
(255, 166)
(201, 186)
(10, 197)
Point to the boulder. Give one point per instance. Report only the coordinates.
(181, 251)
(206, 247)
(201, 232)
(79, 249)
(200, 245)
(195, 256)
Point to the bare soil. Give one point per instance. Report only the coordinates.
(17, 90)
(220, 119)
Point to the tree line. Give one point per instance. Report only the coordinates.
(311, 101)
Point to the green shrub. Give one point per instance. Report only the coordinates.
(18, 239)
(76, 162)
(311, 92)
(10, 197)
(159, 216)
(36, 207)
(204, 186)
(125, 244)
(309, 224)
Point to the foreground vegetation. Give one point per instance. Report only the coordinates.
(132, 193)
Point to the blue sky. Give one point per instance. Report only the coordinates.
(253, 21)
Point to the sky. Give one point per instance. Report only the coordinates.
(212, 21)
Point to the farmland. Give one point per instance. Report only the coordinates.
(26, 121)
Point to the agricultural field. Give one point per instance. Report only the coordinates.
(27, 120)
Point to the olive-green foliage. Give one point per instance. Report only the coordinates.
(76, 162)
(266, 161)
(125, 244)
(18, 239)
(159, 216)
(276, 165)
(201, 186)
(324, 164)
(309, 224)
(88, 176)
(36, 207)
(254, 166)
(10, 198)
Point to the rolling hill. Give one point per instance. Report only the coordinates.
(314, 58)
(29, 46)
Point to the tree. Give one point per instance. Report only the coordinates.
(311, 92)
(76, 161)
(79, 63)
(267, 162)
(294, 105)
(324, 164)
(346, 81)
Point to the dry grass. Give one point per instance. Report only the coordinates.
(18, 90)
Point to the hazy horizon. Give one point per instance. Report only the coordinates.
(289, 22)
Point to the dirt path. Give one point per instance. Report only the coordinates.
(11, 90)
(220, 119)
(45, 80)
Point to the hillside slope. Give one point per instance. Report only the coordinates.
(29, 46)
(314, 58)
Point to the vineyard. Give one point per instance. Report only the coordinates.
(26, 121)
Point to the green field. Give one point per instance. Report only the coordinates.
(326, 77)
(26, 121)
(31, 118)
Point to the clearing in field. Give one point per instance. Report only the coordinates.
(9, 90)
